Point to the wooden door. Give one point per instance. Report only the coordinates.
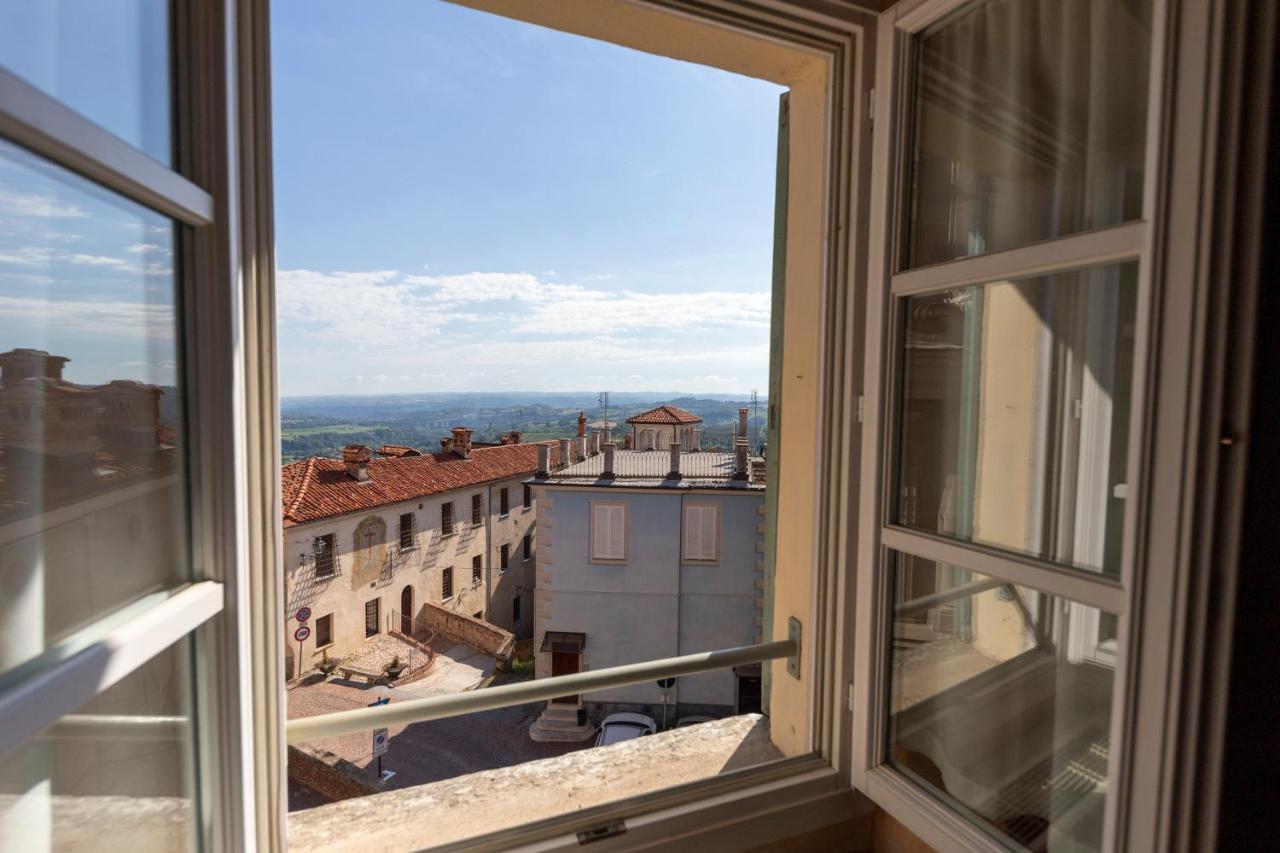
(564, 663)
(406, 611)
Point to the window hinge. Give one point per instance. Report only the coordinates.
(793, 634)
(862, 404)
(609, 830)
(851, 708)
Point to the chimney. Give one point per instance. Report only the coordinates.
(740, 461)
(544, 460)
(609, 450)
(595, 444)
(582, 446)
(356, 457)
(742, 423)
(582, 424)
(608, 434)
(461, 442)
(675, 461)
(512, 437)
(565, 453)
(626, 441)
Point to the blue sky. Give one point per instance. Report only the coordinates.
(465, 202)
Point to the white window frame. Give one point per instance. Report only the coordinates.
(1164, 384)
(594, 554)
(701, 507)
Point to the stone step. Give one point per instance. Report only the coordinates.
(560, 712)
(575, 734)
(556, 724)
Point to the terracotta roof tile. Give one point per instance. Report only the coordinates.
(316, 487)
(665, 415)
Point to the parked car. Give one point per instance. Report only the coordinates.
(692, 721)
(623, 726)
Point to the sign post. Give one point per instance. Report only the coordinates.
(303, 614)
(381, 743)
(665, 685)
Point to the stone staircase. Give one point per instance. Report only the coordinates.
(559, 723)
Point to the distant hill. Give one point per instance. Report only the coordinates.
(322, 425)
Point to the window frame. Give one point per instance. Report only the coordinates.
(477, 570)
(1142, 600)
(330, 553)
(504, 557)
(527, 496)
(446, 583)
(376, 601)
(592, 556)
(410, 531)
(447, 522)
(326, 619)
(504, 502)
(703, 506)
(526, 544)
(477, 510)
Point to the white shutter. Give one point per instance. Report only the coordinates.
(700, 532)
(710, 531)
(608, 534)
(617, 533)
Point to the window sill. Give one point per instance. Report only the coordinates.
(550, 789)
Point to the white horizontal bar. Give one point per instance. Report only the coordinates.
(1066, 253)
(40, 693)
(43, 124)
(1078, 585)
(319, 727)
(119, 727)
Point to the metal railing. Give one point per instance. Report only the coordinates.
(308, 729)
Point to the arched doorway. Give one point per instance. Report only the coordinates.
(406, 611)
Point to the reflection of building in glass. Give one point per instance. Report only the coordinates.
(60, 440)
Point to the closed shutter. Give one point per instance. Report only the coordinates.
(700, 532)
(609, 535)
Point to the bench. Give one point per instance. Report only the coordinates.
(349, 673)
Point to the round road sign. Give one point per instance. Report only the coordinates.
(303, 614)
(302, 633)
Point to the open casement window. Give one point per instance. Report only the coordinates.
(1011, 311)
(701, 531)
(446, 518)
(406, 531)
(323, 551)
(477, 514)
(446, 583)
(608, 532)
(477, 570)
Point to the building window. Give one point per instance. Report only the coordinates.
(701, 532)
(446, 518)
(515, 609)
(446, 583)
(608, 532)
(372, 617)
(528, 545)
(503, 502)
(528, 496)
(322, 548)
(506, 557)
(477, 513)
(476, 569)
(406, 531)
(324, 631)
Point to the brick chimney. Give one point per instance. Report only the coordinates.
(674, 474)
(544, 460)
(512, 437)
(461, 443)
(566, 455)
(582, 424)
(742, 423)
(609, 450)
(740, 461)
(608, 434)
(356, 457)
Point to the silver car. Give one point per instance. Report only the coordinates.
(624, 726)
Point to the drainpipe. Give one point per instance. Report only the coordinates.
(488, 549)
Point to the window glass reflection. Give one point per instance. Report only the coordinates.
(1000, 704)
(106, 59)
(1015, 414)
(114, 775)
(92, 495)
(1029, 123)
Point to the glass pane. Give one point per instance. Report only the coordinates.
(106, 59)
(1029, 123)
(92, 481)
(115, 775)
(1000, 704)
(1015, 414)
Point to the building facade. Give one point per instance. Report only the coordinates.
(650, 554)
(658, 429)
(369, 541)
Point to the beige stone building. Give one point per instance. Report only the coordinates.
(370, 540)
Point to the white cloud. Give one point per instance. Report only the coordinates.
(30, 255)
(106, 319)
(32, 205)
(138, 248)
(99, 261)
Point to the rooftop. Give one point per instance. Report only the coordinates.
(665, 415)
(650, 469)
(318, 487)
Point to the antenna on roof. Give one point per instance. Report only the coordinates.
(604, 404)
(755, 413)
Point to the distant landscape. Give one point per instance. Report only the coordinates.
(313, 426)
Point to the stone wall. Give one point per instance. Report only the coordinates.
(325, 774)
(476, 633)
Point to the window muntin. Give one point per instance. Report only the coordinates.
(608, 532)
(446, 583)
(324, 630)
(372, 617)
(406, 531)
(1014, 419)
(107, 61)
(990, 710)
(477, 514)
(133, 743)
(1029, 123)
(701, 539)
(446, 518)
(93, 495)
(326, 559)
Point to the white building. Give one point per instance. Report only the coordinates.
(644, 555)
(369, 541)
(658, 429)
